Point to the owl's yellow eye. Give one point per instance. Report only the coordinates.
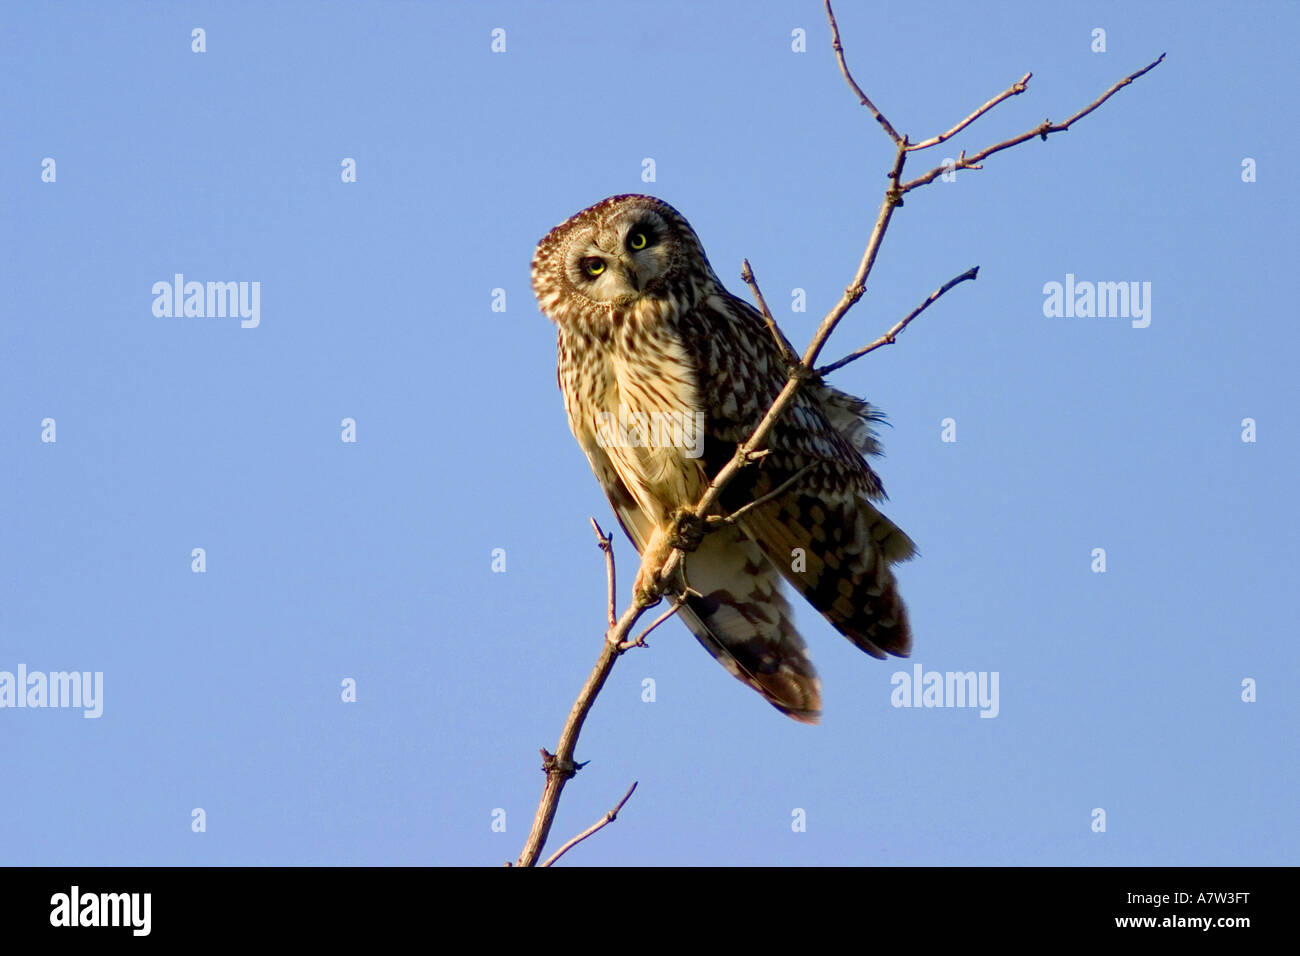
(638, 241)
(593, 266)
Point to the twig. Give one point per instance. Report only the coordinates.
(775, 492)
(1015, 89)
(640, 638)
(844, 68)
(559, 766)
(606, 544)
(604, 821)
(858, 286)
(787, 350)
(1107, 95)
(1042, 130)
(888, 337)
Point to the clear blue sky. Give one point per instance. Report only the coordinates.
(372, 560)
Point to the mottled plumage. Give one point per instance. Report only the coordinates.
(649, 337)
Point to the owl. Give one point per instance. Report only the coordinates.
(664, 373)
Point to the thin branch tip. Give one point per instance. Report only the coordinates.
(890, 337)
(782, 343)
(604, 821)
(838, 47)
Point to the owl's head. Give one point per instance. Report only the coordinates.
(623, 252)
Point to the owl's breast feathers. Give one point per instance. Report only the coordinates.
(632, 398)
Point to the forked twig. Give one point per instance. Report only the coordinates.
(1042, 130)
(758, 502)
(1014, 89)
(676, 606)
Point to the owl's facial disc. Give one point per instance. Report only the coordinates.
(623, 261)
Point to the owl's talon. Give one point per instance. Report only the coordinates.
(688, 530)
(648, 588)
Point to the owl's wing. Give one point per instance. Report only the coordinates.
(836, 549)
(742, 619)
(823, 534)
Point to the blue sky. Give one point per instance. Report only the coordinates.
(372, 560)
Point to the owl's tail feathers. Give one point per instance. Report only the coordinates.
(837, 554)
(745, 622)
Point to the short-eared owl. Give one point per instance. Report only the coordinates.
(652, 348)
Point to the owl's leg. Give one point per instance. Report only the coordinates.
(684, 531)
(649, 584)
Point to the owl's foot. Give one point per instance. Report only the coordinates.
(687, 530)
(648, 587)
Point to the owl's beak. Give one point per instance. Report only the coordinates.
(632, 278)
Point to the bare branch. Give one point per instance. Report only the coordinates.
(1105, 96)
(787, 350)
(1015, 89)
(858, 286)
(888, 337)
(844, 68)
(560, 766)
(606, 544)
(604, 821)
(774, 493)
(673, 609)
(1042, 130)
